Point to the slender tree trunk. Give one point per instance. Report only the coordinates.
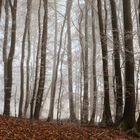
(27, 99)
(137, 14)
(107, 119)
(50, 116)
(116, 55)
(85, 69)
(5, 43)
(69, 59)
(26, 28)
(138, 120)
(37, 65)
(81, 59)
(0, 8)
(43, 63)
(9, 79)
(54, 76)
(94, 64)
(129, 108)
(60, 90)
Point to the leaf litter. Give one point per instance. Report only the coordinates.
(25, 129)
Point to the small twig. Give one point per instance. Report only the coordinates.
(100, 134)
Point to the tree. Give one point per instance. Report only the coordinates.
(27, 99)
(129, 108)
(37, 66)
(0, 7)
(85, 69)
(69, 59)
(27, 20)
(9, 78)
(107, 119)
(117, 69)
(81, 36)
(43, 63)
(94, 64)
(138, 120)
(55, 67)
(5, 42)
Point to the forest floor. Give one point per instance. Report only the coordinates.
(24, 129)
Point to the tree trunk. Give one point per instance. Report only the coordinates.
(43, 63)
(129, 109)
(81, 58)
(137, 14)
(69, 59)
(138, 121)
(27, 99)
(116, 55)
(0, 8)
(107, 119)
(9, 79)
(94, 65)
(54, 76)
(5, 43)
(85, 69)
(60, 90)
(22, 59)
(37, 65)
(50, 116)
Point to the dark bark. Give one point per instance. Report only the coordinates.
(107, 119)
(5, 43)
(85, 108)
(22, 63)
(129, 109)
(0, 8)
(37, 66)
(117, 69)
(40, 91)
(9, 79)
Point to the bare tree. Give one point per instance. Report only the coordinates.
(27, 99)
(117, 69)
(107, 119)
(85, 69)
(129, 108)
(54, 76)
(5, 43)
(43, 63)
(69, 59)
(81, 37)
(26, 28)
(37, 65)
(9, 76)
(138, 120)
(0, 7)
(94, 64)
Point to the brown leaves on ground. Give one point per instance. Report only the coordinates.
(24, 129)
